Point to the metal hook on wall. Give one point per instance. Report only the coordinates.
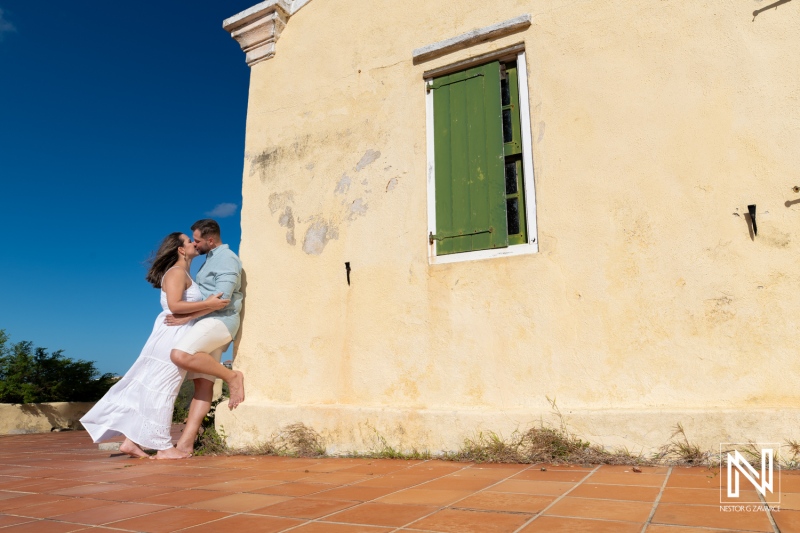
(751, 209)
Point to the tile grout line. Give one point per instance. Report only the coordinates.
(540, 513)
(32, 520)
(617, 520)
(679, 527)
(106, 527)
(417, 530)
(107, 524)
(309, 521)
(54, 521)
(166, 507)
(406, 526)
(658, 500)
(109, 503)
(767, 510)
(218, 519)
(389, 494)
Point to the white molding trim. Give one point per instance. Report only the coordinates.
(532, 245)
(431, 171)
(528, 170)
(256, 11)
(297, 4)
(471, 38)
(519, 249)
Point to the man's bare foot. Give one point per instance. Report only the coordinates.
(236, 386)
(132, 449)
(172, 453)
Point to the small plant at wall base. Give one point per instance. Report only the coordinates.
(298, 440)
(381, 449)
(541, 444)
(294, 440)
(30, 374)
(681, 452)
(794, 451)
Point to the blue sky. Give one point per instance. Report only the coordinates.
(119, 123)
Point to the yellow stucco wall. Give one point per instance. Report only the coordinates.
(654, 125)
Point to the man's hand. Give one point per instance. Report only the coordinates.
(179, 320)
(216, 302)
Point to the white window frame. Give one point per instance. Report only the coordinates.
(532, 246)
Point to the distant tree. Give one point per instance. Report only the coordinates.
(31, 375)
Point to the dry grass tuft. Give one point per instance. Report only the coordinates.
(300, 440)
(541, 445)
(794, 451)
(386, 451)
(679, 451)
(294, 440)
(381, 449)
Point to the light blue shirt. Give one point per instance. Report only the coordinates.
(222, 272)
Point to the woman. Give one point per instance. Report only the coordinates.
(139, 406)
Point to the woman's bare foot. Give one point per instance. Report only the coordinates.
(185, 452)
(132, 449)
(172, 453)
(236, 386)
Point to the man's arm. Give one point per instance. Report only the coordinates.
(181, 319)
(229, 272)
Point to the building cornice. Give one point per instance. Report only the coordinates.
(257, 28)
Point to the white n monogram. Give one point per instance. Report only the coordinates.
(762, 481)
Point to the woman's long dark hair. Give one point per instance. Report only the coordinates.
(164, 259)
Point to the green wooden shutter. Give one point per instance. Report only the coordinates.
(469, 163)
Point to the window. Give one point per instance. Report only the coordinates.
(480, 179)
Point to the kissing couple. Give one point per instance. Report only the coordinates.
(199, 319)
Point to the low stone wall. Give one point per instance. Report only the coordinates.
(41, 417)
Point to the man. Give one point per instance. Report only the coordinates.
(200, 349)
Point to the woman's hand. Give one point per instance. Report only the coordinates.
(216, 302)
(179, 320)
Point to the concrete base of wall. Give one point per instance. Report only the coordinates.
(362, 429)
(41, 417)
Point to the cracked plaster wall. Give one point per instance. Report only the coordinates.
(654, 125)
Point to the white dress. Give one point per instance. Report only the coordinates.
(139, 406)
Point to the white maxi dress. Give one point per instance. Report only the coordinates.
(139, 406)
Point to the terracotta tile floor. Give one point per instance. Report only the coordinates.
(61, 482)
